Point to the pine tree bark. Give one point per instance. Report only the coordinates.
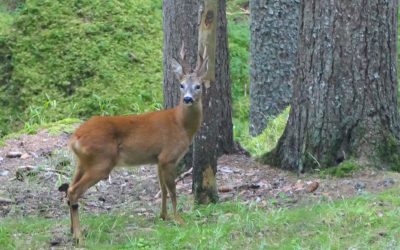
(345, 93)
(181, 24)
(274, 36)
(204, 151)
(223, 93)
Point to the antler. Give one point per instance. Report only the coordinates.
(184, 63)
(201, 59)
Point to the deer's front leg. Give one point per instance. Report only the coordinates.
(169, 176)
(163, 187)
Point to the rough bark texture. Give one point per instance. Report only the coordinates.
(274, 37)
(205, 152)
(223, 94)
(180, 19)
(180, 23)
(345, 93)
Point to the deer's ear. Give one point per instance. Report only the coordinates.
(202, 72)
(177, 69)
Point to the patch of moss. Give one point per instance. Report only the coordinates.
(73, 59)
(389, 153)
(267, 140)
(344, 169)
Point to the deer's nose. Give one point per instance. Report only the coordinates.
(188, 99)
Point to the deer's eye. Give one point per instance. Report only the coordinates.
(197, 87)
(182, 86)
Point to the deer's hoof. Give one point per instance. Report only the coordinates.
(164, 216)
(77, 239)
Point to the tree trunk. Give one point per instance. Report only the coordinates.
(274, 37)
(345, 93)
(180, 19)
(204, 151)
(217, 123)
(223, 93)
(181, 24)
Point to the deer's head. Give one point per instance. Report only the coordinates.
(190, 82)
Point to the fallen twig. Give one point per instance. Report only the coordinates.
(184, 175)
(242, 12)
(180, 177)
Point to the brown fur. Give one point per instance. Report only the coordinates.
(104, 142)
(162, 138)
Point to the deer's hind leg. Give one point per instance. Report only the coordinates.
(89, 176)
(77, 176)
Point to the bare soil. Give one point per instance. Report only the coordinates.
(33, 190)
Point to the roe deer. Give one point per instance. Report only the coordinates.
(161, 137)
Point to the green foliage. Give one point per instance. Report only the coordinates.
(239, 42)
(344, 169)
(237, 10)
(66, 125)
(5, 21)
(78, 54)
(239, 39)
(267, 140)
(365, 222)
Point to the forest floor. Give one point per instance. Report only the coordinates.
(33, 166)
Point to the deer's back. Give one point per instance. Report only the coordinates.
(132, 139)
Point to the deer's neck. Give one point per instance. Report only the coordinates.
(190, 117)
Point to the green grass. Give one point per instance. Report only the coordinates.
(66, 125)
(6, 20)
(364, 222)
(239, 44)
(76, 55)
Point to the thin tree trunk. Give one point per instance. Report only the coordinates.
(274, 37)
(345, 94)
(204, 151)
